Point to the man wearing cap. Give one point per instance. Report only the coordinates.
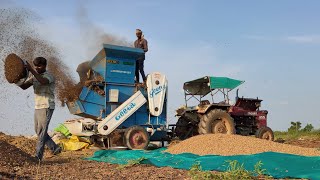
(142, 44)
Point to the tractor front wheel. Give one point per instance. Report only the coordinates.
(136, 137)
(265, 133)
(216, 121)
(184, 128)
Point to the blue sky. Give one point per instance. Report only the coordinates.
(272, 45)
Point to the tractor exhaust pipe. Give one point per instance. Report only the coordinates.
(237, 95)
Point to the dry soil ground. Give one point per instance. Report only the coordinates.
(17, 163)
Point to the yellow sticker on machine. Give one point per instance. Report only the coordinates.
(112, 61)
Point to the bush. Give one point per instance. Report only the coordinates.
(295, 127)
(235, 170)
(308, 128)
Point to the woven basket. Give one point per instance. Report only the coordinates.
(14, 68)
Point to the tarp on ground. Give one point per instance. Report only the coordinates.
(278, 165)
(73, 143)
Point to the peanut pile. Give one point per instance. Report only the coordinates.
(226, 145)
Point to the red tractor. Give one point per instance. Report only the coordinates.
(244, 117)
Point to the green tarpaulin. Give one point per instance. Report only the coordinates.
(277, 165)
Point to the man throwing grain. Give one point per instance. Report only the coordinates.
(142, 44)
(43, 84)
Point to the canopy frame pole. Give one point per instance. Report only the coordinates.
(192, 96)
(212, 96)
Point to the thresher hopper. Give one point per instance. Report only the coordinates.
(244, 117)
(112, 104)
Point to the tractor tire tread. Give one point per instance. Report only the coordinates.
(205, 121)
(262, 130)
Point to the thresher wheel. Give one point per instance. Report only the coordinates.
(136, 137)
(216, 121)
(181, 128)
(265, 133)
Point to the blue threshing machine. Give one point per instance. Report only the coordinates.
(112, 103)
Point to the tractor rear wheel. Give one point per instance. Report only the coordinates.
(216, 121)
(265, 133)
(183, 128)
(136, 137)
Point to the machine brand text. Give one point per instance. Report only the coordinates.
(125, 111)
(157, 90)
(252, 113)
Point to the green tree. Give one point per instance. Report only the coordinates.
(308, 128)
(295, 126)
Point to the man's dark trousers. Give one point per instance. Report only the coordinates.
(139, 68)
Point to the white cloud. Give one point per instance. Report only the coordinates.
(257, 37)
(293, 39)
(304, 39)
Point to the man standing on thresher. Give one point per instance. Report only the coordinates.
(142, 44)
(43, 84)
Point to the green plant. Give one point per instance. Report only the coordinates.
(258, 169)
(136, 161)
(259, 172)
(132, 162)
(234, 170)
(196, 173)
(295, 127)
(292, 135)
(308, 128)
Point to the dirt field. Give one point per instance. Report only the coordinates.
(17, 163)
(69, 165)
